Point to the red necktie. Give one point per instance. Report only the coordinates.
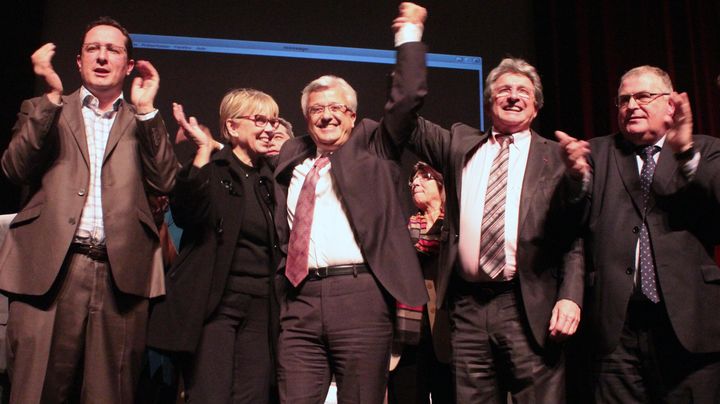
(296, 267)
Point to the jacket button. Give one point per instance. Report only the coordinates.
(636, 229)
(81, 192)
(628, 271)
(71, 220)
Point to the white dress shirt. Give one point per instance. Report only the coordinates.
(475, 176)
(332, 240)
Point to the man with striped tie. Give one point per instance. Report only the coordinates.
(509, 270)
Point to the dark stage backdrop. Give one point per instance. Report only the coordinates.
(580, 48)
(199, 81)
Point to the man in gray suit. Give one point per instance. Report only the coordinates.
(509, 268)
(82, 257)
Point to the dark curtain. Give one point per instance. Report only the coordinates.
(585, 46)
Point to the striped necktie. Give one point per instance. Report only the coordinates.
(492, 230)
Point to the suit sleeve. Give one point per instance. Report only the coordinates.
(573, 279)
(431, 143)
(707, 175)
(158, 158)
(406, 95)
(32, 145)
(190, 201)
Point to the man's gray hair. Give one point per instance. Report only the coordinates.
(325, 83)
(647, 69)
(516, 66)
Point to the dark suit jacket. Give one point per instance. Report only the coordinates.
(49, 153)
(366, 173)
(208, 204)
(548, 267)
(684, 225)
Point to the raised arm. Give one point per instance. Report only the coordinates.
(409, 80)
(30, 147)
(159, 162)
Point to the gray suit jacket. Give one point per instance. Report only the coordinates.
(49, 153)
(549, 261)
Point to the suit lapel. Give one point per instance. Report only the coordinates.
(626, 164)
(301, 150)
(298, 150)
(535, 172)
(125, 117)
(664, 172)
(74, 120)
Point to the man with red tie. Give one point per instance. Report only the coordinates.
(347, 259)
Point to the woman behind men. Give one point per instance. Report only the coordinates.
(423, 369)
(220, 309)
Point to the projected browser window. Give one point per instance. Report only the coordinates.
(458, 75)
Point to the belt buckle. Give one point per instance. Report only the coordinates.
(322, 272)
(95, 252)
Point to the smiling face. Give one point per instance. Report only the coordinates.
(513, 103)
(329, 130)
(248, 140)
(644, 124)
(103, 68)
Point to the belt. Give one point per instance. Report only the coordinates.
(96, 252)
(316, 274)
(486, 289)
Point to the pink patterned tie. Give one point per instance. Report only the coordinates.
(296, 267)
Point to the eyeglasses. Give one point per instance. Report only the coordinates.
(506, 92)
(641, 98)
(261, 120)
(424, 176)
(94, 48)
(318, 109)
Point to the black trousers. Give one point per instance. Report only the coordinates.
(650, 365)
(494, 353)
(341, 326)
(233, 363)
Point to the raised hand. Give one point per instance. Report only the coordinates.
(409, 13)
(42, 66)
(192, 128)
(679, 135)
(575, 156)
(145, 87)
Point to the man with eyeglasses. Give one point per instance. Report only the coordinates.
(652, 214)
(510, 271)
(341, 225)
(82, 258)
(282, 134)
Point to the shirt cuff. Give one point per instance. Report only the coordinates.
(689, 167)
(408, 33)
(146, 117)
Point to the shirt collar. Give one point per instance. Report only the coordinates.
(92, 102)
(517, 136)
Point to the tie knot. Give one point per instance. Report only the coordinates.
(647, 152)
(321, 162)
(503, 139)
